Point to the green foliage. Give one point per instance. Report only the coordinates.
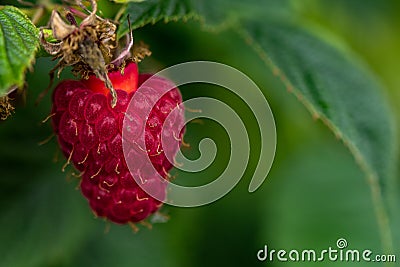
(335, 86)
(214, 14)
(152, 11)
(18, 43)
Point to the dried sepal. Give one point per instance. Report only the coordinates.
(87, 47)
(126, 51)
(91, 19)
(61, 30)
(140, 51)
(6, 109)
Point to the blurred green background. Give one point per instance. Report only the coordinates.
(314, 194)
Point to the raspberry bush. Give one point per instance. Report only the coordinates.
(94, 62)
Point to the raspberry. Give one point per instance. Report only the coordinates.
(89, 133)
(128, 83)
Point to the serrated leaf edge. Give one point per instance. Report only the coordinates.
(371, 176)
(31, 59)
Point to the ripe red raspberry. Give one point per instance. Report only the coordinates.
(89, 132)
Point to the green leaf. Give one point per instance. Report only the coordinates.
(152, 11)
(215, 14)
(49, 37)
(19, 39)
(336, 88)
